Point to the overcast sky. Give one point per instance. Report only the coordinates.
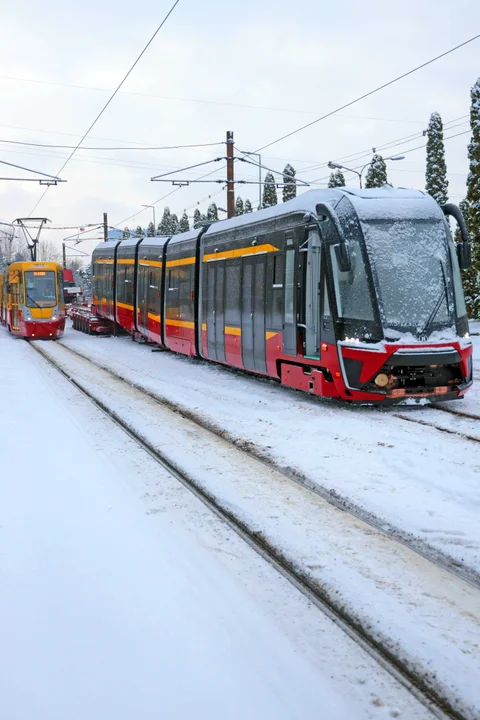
(259, 69)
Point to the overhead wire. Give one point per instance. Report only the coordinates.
(371, 92)
(409, 150)
(194, 100)
(112, 96)
(76, 147)
(383, 146)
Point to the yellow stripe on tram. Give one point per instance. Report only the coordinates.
(240, 252)
(180, 323)
(124, 306)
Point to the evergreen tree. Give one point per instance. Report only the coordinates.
(377, 173)
(269, 191)
(436, 183)
(184, 225)
(139, 230)
(239, 209)
(337, 179)
(174, 224)
(197, 218)
(86, 275)
(472, 276)
(248, 206)
(125, 233)
(165, 224)
(151, 229)
(290, 185)
(212, 213)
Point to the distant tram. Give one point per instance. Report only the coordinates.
(31, 300)
(342, 293)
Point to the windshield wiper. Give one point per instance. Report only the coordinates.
(433, 314)
(34, 301)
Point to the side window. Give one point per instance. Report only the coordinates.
(278, 269)
(277, 291)
(232, 292)
(289, 282)
(173, 278)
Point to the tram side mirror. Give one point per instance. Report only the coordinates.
(342, 253)
(464, 255)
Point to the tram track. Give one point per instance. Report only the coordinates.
(335, 499)
(457, 430)
(422, 686)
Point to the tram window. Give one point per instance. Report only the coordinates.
(40, 290)
(460, 306)
(351, 288)
(289, 285)
(278, 269)
(326, 303)
(232, 292)
(173, 279)
(129, 274)
(152, 293)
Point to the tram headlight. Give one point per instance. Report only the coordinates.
(382, 380)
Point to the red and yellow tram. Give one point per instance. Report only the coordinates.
(343, 293)
(31, 300)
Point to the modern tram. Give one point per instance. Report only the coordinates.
(342, 293)
(31, 300)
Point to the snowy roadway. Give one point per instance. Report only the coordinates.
(422, 482)
(123, 597)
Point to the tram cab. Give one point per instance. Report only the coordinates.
(31, 300)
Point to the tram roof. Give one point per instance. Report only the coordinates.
(384, 202)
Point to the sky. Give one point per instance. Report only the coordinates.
(258, 69)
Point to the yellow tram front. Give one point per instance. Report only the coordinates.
(33, 303)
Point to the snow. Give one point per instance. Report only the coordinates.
(411, 477)
(124, 597)
(376, 580)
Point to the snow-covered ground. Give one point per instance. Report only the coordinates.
(413, 477)
(420, 613)
(123, 597)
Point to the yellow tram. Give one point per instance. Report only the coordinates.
(31, 300)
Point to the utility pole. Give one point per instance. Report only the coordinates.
(230, 176)
(105, 227)
(64, 253)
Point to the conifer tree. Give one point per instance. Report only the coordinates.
(151, 229)
(337, 179)
(472, 276)
(269, 191)
(239, 209)
(125, 233)
(212, 213)
(377, 173)
(248, 206)
(290, 185)
(436, 183)
(174, 224)
(139, 230)
(197, 218)
(184, 225)
(86, 276)
(165, 224)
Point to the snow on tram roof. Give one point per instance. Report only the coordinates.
(385, 202)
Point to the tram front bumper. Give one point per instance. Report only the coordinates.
(44, 329)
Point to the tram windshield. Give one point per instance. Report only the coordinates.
(413, 269)
(40, 290)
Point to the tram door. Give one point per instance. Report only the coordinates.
(216, 310)
(14, 298)
(253, 313)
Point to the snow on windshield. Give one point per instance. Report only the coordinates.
(409, 258)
